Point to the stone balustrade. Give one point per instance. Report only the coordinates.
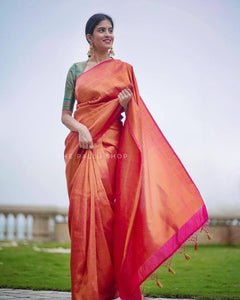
(224, 229)
(33, 222)
(44, 223)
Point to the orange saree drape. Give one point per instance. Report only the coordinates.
(132, 203)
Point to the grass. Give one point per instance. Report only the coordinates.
(212, 273)
(22, 267)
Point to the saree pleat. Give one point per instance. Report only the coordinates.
(90, 226)
(132, 203)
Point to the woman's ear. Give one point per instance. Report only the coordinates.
(89, 37)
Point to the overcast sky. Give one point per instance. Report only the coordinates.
(186, 57)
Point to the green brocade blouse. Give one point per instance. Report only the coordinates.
(69, 95)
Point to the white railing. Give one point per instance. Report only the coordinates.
(32, 222)
(50, 223)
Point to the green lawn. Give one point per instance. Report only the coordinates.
(212, 273)
(22, 267)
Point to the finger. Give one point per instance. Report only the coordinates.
(120, 97)
(89, 140)
(83, 145)
(122, 92)
(90, 145)
(128, 96)
(87, 144)
(82, 142)
(129, 91)
(125, 93)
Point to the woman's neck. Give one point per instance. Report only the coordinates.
(99, 57)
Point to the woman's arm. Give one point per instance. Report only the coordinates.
(85, 138)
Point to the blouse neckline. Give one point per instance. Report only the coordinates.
(101, 63)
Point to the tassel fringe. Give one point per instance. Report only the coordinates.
(159, 284)
(209, 236)
(171, 271)
(181, 250)
(142, 291)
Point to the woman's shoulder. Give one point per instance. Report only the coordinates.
(124, 63)
(78, 65)
(77, 68)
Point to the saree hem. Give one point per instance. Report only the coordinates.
(163, 254)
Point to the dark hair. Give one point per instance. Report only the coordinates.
(94, 21)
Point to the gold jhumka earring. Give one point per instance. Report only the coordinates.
(111, 52)
(91, 50)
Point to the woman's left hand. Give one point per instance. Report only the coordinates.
(124, 98)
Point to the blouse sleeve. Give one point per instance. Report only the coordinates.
(69, 95)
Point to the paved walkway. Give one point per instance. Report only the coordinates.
(12, 294)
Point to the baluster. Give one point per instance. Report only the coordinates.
(5, 230)
(9, 229)
(30, 227)
(25, 227)
(2, 225)
(15, 227)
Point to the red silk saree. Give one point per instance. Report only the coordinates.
(132, 203)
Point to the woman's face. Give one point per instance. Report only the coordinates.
(102, 37)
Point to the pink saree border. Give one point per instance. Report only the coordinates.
(174, 243)
(97, 65)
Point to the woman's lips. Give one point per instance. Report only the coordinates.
(107, 41)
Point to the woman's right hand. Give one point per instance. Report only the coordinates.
(85, 138)
(124, 98)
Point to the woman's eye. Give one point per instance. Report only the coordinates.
(110, 30)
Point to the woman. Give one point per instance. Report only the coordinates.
(132, 203)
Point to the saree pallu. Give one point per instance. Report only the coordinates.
(132, 203)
